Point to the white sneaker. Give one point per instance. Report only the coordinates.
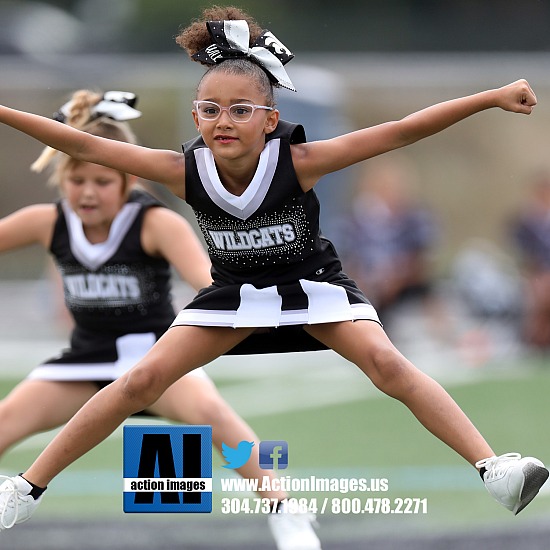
(16, 505)
(513, 481)
(293, 531)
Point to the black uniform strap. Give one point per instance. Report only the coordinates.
(144, 198)
(291, 131)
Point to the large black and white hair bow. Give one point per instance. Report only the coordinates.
(116, 105)
(231, 40)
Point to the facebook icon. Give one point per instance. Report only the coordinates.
(273, 455)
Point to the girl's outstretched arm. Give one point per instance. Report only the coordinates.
(166, 167)
(30, 225)
(318, 158)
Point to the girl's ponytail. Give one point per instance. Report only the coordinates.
(80, 114)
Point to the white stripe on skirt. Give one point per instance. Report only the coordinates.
(327, 303)
(258, 307)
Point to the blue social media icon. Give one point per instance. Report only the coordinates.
(273, 455)
(239, 456)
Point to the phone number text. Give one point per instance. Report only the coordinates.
(326, 505)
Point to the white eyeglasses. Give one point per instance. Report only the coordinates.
(240, 112)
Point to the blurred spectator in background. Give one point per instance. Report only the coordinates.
(485, 302)
(386, 237)
(531, 235)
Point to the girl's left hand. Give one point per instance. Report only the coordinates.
(517, 97)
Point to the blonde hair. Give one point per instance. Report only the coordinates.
(82, 118)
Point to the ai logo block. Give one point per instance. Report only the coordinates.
(273, 455)
(167, 469)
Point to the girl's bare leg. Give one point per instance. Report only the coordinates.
(180, 350)
(196, 400)
(34, 406)
(365, 343)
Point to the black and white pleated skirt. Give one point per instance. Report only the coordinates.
(283, 307)
(99, 359)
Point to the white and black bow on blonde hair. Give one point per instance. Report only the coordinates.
(99, 114)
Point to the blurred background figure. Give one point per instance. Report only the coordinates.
(531, 236)
(387, 236)
(485, 300)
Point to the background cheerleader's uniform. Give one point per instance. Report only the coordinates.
(118, 296)
(271, 266)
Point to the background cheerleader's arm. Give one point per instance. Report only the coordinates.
(30, 225)
(168, 235)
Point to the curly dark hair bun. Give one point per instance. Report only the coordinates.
(196, 37)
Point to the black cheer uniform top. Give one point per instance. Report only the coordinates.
(271, 266)
(118, 295)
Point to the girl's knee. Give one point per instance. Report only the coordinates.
(142, 384)
(209, 409)
(390, 371)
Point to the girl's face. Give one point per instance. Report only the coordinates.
(95, 193)
(226, 138)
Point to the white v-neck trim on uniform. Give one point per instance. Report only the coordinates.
(92, 255)
(245, 205)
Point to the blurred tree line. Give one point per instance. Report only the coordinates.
(320, 25)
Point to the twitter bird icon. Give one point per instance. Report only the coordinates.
(237, 457)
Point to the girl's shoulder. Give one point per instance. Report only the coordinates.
(31, 224)
(161, 226)
(41, 213)
(163, 219)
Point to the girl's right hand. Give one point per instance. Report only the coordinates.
(517, 97)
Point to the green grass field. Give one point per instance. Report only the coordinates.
(373, 437)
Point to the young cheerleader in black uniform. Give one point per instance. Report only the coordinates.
(250, 177)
